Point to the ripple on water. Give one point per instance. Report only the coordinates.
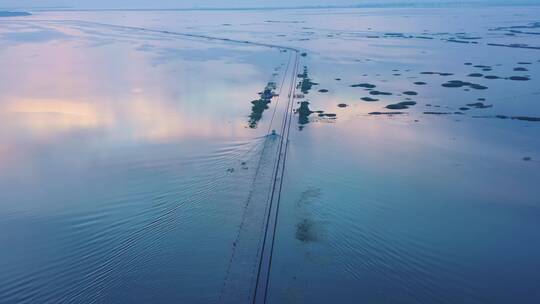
(87, 250)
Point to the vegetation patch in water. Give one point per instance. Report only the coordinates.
(303, 113)
(459, 84)
(260, 105)
(519, 78)
(364, 85)
(305, 231)
(437, 113)
(369, 99)
(522, 118)
(479, 105)
(386, 113)
(437, 73)
(375, 92)
(306, 83)
(401, 105)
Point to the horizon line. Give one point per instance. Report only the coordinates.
(366, 5)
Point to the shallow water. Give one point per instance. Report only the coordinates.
(125, 160)
(131, 159)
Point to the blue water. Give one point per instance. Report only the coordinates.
(135, 168)
(125, 175)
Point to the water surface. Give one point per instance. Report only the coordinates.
(129, 157)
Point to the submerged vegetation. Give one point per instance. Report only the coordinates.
(401, 105)
(260, 105)
(425, 78)
(303, 113)
(306, 83)
(303, 110)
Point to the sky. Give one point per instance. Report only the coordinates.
(166, 4)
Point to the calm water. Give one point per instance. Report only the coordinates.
(126, 160)
(134, 167)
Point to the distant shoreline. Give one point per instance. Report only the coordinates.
(420, 4)
(13, 14)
